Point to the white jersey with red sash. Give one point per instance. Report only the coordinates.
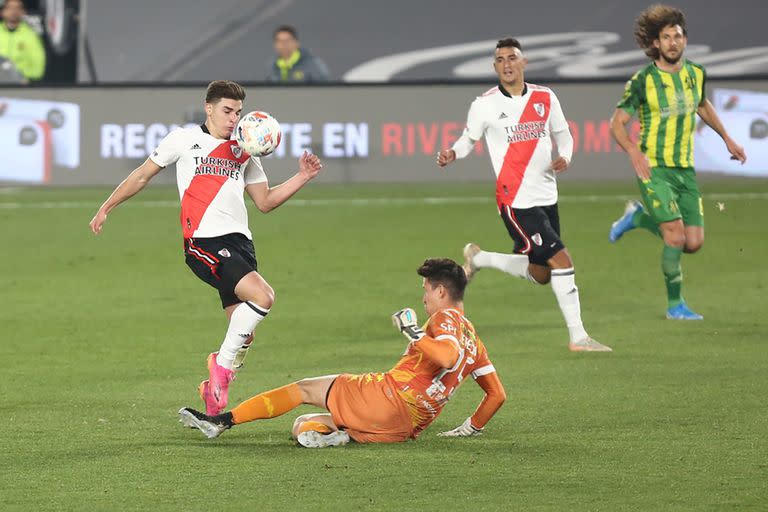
(211, 175)
(517, 131)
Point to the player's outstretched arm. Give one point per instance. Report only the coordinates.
(130, 186)
(709, 115)
(268, 198)
(619, 120)
(494, 398)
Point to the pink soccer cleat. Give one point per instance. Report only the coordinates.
(202, 390)
(215, 390)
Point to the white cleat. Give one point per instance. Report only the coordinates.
(314, 439)
(588, 345)
(196, 419)
(470, 251)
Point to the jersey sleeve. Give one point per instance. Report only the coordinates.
(494, 398)
(441, 344)
(632, 98)
(254, 171)
(557, 121)
(703, 85)
(475, 122)
(482, 365)
(486, 377)
(169, 149)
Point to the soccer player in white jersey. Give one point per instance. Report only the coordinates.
(212, 173)
(519, 120)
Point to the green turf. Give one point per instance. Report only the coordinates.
(104, 338)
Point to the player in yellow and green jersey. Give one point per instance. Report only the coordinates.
(666, 95)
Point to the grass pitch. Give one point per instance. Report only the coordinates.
(104, 338)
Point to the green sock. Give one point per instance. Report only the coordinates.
(642, 220)
(673, 274)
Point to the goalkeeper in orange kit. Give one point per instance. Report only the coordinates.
(393, 406)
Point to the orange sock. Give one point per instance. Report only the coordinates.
(268, 404)
(314, 425)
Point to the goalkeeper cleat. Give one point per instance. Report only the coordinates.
(314, 439)
(588, 345)
(204, 423)
(682, 312)
(624, 223)
(215, 394)
(470, 251)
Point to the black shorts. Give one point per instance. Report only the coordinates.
(221, 262)
(536, 231)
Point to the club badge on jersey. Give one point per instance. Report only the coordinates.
(211, 175)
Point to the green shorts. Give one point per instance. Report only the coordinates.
(671, 194)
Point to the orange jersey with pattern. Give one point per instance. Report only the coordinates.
(433, 367)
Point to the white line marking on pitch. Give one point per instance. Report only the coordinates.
(374, 201)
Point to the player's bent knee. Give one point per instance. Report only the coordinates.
(674, 239)
(540, 278)
(691, 248)
(693, 242)
(263, 296)
(673, 234)
(308, 388)
(561, 259)
(268, 297)
(539, 275)
(298, 421)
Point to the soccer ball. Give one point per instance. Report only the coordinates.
(258, 133)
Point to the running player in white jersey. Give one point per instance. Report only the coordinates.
(212, 173)
(518, 120)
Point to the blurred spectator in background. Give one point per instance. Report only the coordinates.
(293, 63)
(19, 43)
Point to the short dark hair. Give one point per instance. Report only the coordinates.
(286, 28)
(219, 89)
(509, 42)
(652, 21)
(446, 272)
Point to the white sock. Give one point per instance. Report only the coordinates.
(244, 320)
(241, 353)
(564, 286)
(514, 264)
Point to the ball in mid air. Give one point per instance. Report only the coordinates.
(258, 133)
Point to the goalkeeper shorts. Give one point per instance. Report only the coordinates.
(368, 408)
